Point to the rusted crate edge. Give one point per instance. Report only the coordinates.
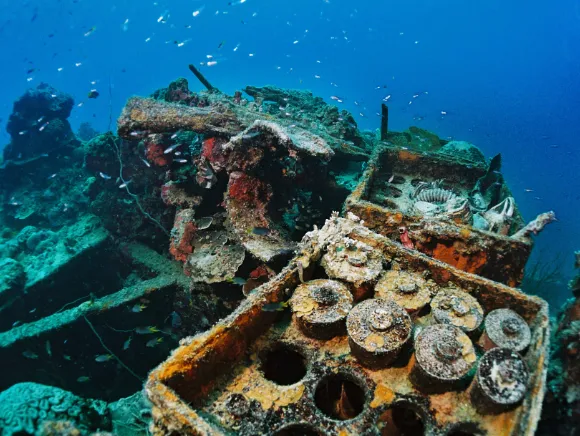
(249, 320)
(462, 278)
(534, 400)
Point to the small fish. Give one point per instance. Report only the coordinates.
(91, 30)
(146, 163)
(93, 93)
(51, 176)
(146, 330)
(22, 132)
(83, 379)
(171, 148)
(43, 127)
(103, 358)
(391, 178)
(211, 63)
(275, 307)
(177, 153)
(104, 176)
(154, 342)
(221, 44)
(78, 64)
(238, 281)
(124, 185)
(260, 231)
(181, 160)
(48, 349)
(29, 354)
(67, 357)
(251, 135)
(126, 25)
(139, 307)
(127, 343)
(528, 190)
(196, 13)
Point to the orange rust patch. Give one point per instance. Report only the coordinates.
(407, 155)
(270, 395)
(451, 256)
(465, 233)
(383, 395)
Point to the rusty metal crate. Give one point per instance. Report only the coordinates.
(382, 200)
(257, 372)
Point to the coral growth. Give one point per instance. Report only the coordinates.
(38, 124)
(26, 406)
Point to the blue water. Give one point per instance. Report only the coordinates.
(505, 73)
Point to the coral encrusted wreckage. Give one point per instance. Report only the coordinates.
(190, 275)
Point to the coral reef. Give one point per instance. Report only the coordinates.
(27, 406)
(561, 414)
(38, 124)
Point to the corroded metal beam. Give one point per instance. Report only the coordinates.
(142, 116)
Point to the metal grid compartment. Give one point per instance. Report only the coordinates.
(257, 372)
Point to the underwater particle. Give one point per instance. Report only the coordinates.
(30, 354)
(103, 358)
(83, 379)
(104, 176)
(93, 93)
(275, 307)
(48, 349)
(260, 231)
(154, 342)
